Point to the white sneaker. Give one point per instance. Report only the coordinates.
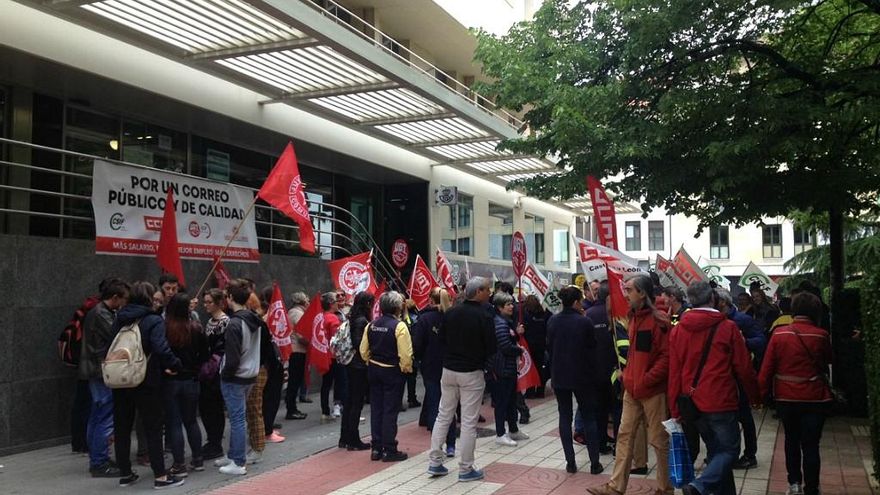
(337, 411)
(794, 489)
(505, 440)
(362, 419)
(233, 468)
(519, 435)
(254, 457)
(223, 461)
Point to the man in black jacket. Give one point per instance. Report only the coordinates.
(468, 333)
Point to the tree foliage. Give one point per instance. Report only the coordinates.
(728, 110)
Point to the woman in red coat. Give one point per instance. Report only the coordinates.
(795, 366)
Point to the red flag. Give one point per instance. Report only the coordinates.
(379, 291)
(168, 255)
(526, 373)
(444, 273)
(311, 326)
(279, 325)
(687, 269)
(619, 303)
(283, 189)
(221, 274)
(353, 274)
(420, 284)
(305, 327)
(603, 212)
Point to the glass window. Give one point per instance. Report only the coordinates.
(221, 161)
(719, 242)
(500, 231)
(458, 232)
(655, 235)
(804, 240)
(560, 244)
(772, 241)
(153, 146)
(533, 231)
(633, 236)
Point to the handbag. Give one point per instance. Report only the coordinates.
(209, 369)
(686, 407)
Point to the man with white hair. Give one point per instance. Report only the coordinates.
(468, 333)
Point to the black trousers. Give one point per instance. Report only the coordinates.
(386, 389)
(586, 403)
(296, 372)
(411, 384)
(333, 380)
(272, 394)
(538, 350)
(79, 416)
(604, 398)
(354, 403)
(211, 410)
(147, 402)
(803, 423)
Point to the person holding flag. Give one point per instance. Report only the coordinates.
(296, 366)
(571, 341)
(504, 370)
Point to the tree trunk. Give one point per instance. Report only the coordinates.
(835, 228)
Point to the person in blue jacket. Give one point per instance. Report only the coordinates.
(753, 332)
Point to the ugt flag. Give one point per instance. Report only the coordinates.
(311, 326)
(420, 284)
(283, 189)
(354, 274)
(444, 273)
(279, 325)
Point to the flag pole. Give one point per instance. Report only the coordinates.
(223, 251)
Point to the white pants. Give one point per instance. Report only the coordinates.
(454, 387)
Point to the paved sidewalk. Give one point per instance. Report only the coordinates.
(309, 464)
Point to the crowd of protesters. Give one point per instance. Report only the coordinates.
(697, 356)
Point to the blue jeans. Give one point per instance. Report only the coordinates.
(181, 403)
(432, 405)
(100, 426)
(720, 431)
(235, 396)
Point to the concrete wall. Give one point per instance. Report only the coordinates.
(46, 279)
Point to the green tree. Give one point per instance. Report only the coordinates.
(727, 110)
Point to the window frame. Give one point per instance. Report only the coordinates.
(636, 239)
(719, 250)
(774, 247)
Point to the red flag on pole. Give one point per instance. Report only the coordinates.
(603, 212)
(283, 189)
(687, 269)
(379, 291)
(305, 327)
(353, 274)
(279, 325)
(619, 304)
(168, 255)
(526, 373)
(420, 284)
(220, 274)
(444, 273)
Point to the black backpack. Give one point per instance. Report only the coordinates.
(70, 340)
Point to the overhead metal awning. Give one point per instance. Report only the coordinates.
(318, 56)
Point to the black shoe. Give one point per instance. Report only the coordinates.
(210, 452)
(129, 479)
(745, 463)
(596, 468)
(359, 446)
(296, 415)
(106, 470)
(690, 490)
(376, 455)
(571, 467)
(169, 482)
(641, 470)
(306, 400)
(394, 456)
(524, 420)
(342, 445)
(414, 403)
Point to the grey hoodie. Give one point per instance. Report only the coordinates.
(241, 362)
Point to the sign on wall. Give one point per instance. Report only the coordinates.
(129, 203)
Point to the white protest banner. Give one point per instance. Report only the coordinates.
(714, 274)
(535, 283)
(594, 258)
(754, 274)
(129, 203)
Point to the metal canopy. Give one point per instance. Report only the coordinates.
(327, 61)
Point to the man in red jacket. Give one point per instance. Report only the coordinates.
(716, 394)
(644, 382)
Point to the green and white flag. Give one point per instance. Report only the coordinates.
(714, 274)
(755, 274)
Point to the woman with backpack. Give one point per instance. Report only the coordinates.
(181, 391)
(358, 318)
(146, 397)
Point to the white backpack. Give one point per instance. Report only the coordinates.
(125, 365)
(341, 345)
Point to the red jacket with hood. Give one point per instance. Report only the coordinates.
(789, 368)
(647, 364)
(728, 362)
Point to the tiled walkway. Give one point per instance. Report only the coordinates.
(537, 466)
